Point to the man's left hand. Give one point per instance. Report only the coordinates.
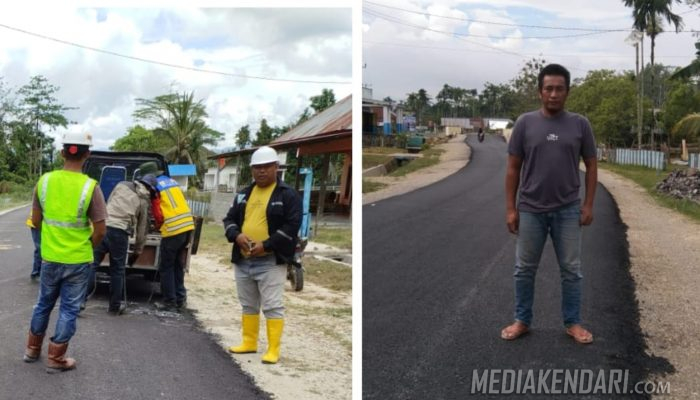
(586, 215)
(257, 249)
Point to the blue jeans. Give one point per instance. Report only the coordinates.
(172, 271)
(116, 243)
(36, 265)
(563, 225)
(69, 281)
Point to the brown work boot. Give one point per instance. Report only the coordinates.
(33, 350)
(56, 362)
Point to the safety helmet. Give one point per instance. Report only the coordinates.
(79, 138)
(264, 155)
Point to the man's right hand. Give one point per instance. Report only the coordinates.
(513, 221)
(242, 241)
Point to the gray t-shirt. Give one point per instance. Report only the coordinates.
(551, 148)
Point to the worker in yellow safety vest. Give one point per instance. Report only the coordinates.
(178, 224)
(69, 210)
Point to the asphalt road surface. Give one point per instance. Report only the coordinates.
(438, 289)
(144, 354)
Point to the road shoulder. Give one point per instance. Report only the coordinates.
(664, 256)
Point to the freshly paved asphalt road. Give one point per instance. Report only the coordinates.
(143, 354)
(438, 288)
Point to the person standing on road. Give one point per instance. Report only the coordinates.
(127, 210)
(65, 202)
(263, 224)
(176, 230)
(36, 238)
(543, 162)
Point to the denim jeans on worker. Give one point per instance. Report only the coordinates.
(563, 226)
(172, 271)
(67, 281)
(116, 243)
(260, 283)
(36, 265)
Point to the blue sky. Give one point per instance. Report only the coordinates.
(400, 59)
(304, 44)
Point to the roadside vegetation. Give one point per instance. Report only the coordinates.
(431, 156)
(369, 186)
(320, 272)
(648, 179)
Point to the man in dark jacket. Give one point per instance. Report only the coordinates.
(263, 224)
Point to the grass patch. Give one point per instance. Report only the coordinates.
(212, 240)
(369, 186)
(372, 160)
(381, 150)
(328, 274)
(430, 157)
(15, 198)
(648, 178)
(337, 237)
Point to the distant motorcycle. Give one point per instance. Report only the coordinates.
(480, 135)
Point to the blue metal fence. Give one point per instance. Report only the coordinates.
(694, 161)
(645, 158)
(199, 208)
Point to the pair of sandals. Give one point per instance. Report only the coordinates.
(517, 329)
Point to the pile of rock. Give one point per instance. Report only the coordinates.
(682, 184)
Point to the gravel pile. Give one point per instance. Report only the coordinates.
(682, 184)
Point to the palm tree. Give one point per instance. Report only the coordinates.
(692, 69)
(688, 127)
(181, 121)
(648, 16)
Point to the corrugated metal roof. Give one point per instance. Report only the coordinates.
(335, 118)
(182, 169)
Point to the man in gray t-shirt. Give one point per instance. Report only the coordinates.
(544, 152)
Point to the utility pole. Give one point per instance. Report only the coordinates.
(636, 38)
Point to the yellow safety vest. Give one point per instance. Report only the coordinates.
(177, 216)
(65, 229)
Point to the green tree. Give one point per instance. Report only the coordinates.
(687, 128)
(525, 87)
(139, 138)
(323, 101)
(243, 137)
(180, 121)
(264, 135)
(683, 99)
(613, 116)
(691, 70)
(40, 109)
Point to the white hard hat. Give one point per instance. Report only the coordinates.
(264, 155)
(80, 138)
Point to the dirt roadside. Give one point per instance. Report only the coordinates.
(316, 355)
(664, 251)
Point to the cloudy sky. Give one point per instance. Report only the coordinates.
(300, 51)
(413, 44)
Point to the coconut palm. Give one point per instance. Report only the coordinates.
(688, 127)
(690, 70)
(181, 121)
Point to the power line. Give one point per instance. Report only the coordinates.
(401, 22)
(499, 23)
(450, 34)
(591, 30)
(494, 52)
(167, 64)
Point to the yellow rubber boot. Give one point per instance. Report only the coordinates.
(251, 327)
(274, 334)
